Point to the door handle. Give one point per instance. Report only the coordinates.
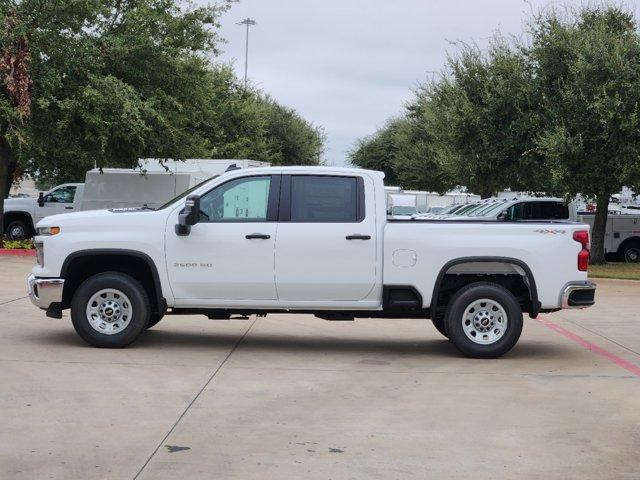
(260, 236)
(357, 236)
(68, 208)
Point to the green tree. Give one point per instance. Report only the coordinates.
(482, 118)
(378, 151)
(109, 81)
(417, 163)
(588, 76)
(99, 80)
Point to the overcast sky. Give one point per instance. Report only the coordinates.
(348, 65)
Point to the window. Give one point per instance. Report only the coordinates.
(61, 195)
(241, 200)
(538, 211)
(324, 199)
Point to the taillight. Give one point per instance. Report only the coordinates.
(582, 237)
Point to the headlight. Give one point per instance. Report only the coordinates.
(39, 253)
(47, 231)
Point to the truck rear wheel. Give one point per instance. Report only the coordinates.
(484, 320)
(631, 253)
(110, 310)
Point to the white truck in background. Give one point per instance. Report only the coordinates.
(152, 184)
(311, 240)
(622, 236)
(401, 204)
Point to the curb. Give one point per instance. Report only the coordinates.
(17, 252)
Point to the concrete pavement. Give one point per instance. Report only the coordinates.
(291, 396)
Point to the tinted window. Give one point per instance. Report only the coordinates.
(538, 211)
(550, 211)
(61, 195)
(240, 200)
(323, 199)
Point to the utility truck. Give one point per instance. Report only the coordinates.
(152, 184)
(308, 240)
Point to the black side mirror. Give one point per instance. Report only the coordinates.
(503, 215)
(41, 199)
(189, 216)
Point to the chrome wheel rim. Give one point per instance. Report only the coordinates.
(484, 321)
(109, 311)
(17, 233)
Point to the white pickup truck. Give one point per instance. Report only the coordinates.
(309, 240)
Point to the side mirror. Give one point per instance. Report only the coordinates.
(41, 199)
(189, 216)
(503, 215)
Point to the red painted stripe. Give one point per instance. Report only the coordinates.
(621, 362)
(17, 252)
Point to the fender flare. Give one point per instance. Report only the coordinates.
(161, 302)
(20, 212)
(533, 291)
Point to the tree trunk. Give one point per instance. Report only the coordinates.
(599, 228)
(6, 173)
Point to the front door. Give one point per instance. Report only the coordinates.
(59, 200)
(229, 254)
(326, 246)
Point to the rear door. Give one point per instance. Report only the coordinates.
(326, 243)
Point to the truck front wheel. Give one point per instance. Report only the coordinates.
(110, 310)
(484, 320)
(17, 230)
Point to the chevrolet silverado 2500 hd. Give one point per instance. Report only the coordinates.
(310, 240)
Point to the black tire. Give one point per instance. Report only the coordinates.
(18, 230)
(140, 309)
(439, 323)
(630, 253)
(455, 317)
(154, 318)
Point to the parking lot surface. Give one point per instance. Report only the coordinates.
(293, 396)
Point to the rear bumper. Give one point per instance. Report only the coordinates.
(44, 292)
(578, 295)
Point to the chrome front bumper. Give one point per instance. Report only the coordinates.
(578, 295)
(44, 291)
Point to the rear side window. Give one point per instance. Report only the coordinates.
(539, 211)
(316, 199)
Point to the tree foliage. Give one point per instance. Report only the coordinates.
(557, 111)
(588, 79)
(109, 81)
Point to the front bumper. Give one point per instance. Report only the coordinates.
(578, 295)
(44, 292)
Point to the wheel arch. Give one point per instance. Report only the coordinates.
(635, 241)
(531, 283)
(135, 263)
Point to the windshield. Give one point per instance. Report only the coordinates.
(450, 208)
(185, 193)
(494, 210)
(469, 208)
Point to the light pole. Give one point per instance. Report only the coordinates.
(248, 22)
